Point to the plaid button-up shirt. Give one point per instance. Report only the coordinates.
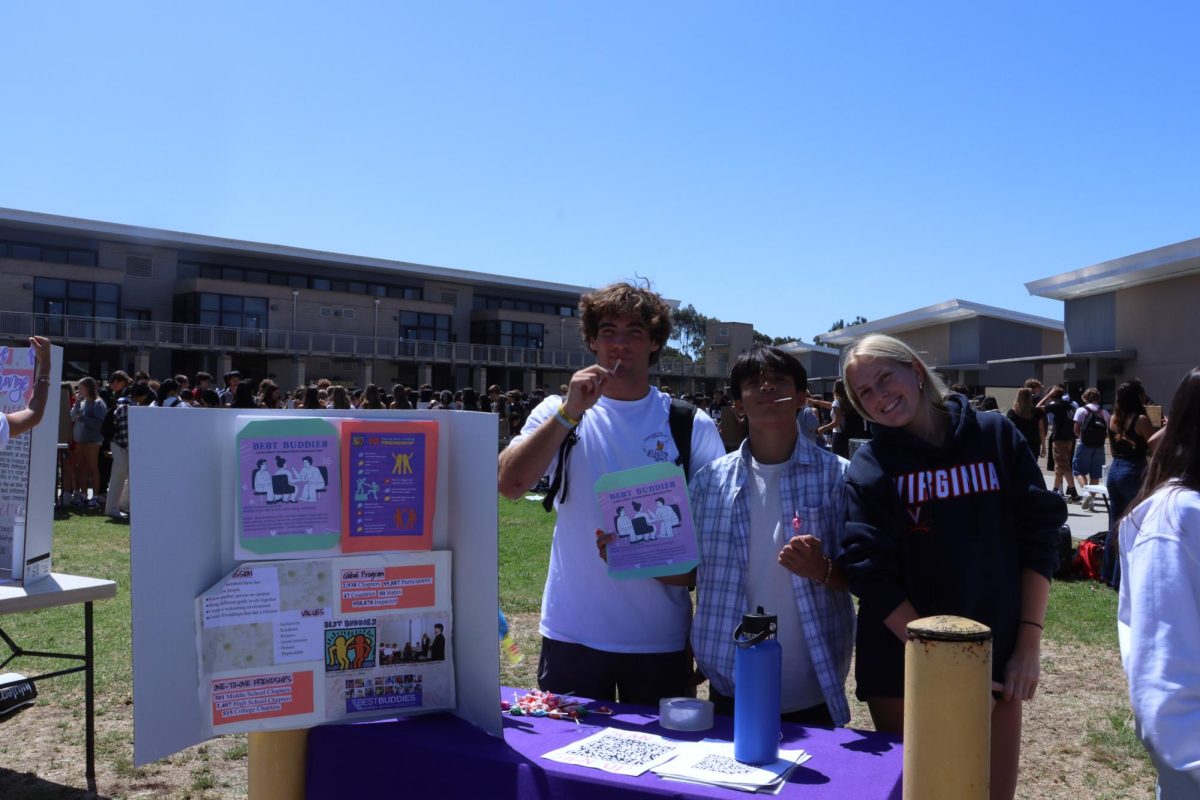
(812, 488)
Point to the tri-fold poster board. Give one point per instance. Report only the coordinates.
(27, 470)
(294, 568)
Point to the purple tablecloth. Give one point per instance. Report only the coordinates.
(442, 756)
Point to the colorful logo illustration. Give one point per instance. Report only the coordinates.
(349, 648)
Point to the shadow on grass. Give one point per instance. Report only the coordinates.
(27, 786)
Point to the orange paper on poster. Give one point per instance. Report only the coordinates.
(389, 485)
(368, 590)
(284, 694)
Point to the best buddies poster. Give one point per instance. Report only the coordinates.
(289, 486)
(647, 511)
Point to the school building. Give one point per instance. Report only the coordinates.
(1134, 316)
(974, 344)
(126, 297)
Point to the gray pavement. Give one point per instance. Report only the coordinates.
(1083, 523)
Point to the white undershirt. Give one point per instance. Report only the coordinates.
(769, 584)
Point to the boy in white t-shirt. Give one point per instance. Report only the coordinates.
(602, 637)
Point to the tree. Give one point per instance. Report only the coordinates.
(841, 323)
(689, 331)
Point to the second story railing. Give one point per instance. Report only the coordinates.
(139, 334)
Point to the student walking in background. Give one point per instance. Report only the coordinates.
(87, 432)
(1129, 434)
(1158, 614)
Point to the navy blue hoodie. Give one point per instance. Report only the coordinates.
(950, 528)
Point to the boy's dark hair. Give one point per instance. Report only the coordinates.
(762, 358)
(201, 377)
(619, 299)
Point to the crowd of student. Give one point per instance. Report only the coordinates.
(96, 471)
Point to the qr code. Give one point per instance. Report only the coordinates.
(621, 750)
(723, 764)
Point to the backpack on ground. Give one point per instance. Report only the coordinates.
(1093, 431)
(1089, 561)
(1066, 553)
(680, 417)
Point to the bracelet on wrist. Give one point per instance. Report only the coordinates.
(1037, 625)
(828, 571)
(565, 419)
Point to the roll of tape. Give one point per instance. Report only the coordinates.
(685, 714)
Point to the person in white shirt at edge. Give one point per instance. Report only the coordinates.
(1158, 613)
(17, 422)
(600, 636)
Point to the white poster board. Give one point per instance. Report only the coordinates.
(27, 470)
(182, 505)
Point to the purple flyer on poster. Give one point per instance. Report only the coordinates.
(647, 511)
(387, 483)
(289, 496)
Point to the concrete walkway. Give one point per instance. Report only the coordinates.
(1083, 523)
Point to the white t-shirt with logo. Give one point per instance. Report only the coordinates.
(581, 603)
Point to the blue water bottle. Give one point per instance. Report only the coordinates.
(757, 672)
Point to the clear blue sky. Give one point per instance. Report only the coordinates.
(780, 163)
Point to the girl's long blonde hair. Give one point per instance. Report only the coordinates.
(878, 345)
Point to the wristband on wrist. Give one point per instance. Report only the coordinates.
(567, 418)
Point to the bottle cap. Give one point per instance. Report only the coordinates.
(755, 628)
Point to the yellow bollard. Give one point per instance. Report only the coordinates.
(947, 709)
(276, 765)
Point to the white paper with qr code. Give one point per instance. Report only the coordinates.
(618, 751)
(711, 762)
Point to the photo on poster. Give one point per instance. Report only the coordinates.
(390, 471)
(414, 669)
(646, 510)
(289, 486)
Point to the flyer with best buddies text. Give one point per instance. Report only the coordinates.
(646, 510)
(289, 486)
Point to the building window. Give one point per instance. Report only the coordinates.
(493, 302)
(224, 310)
(508, 333)
(54, 255)
(424, 327)
(288, 279)
(76, 298)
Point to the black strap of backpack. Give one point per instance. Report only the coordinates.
(560, 469)
(680, 418)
